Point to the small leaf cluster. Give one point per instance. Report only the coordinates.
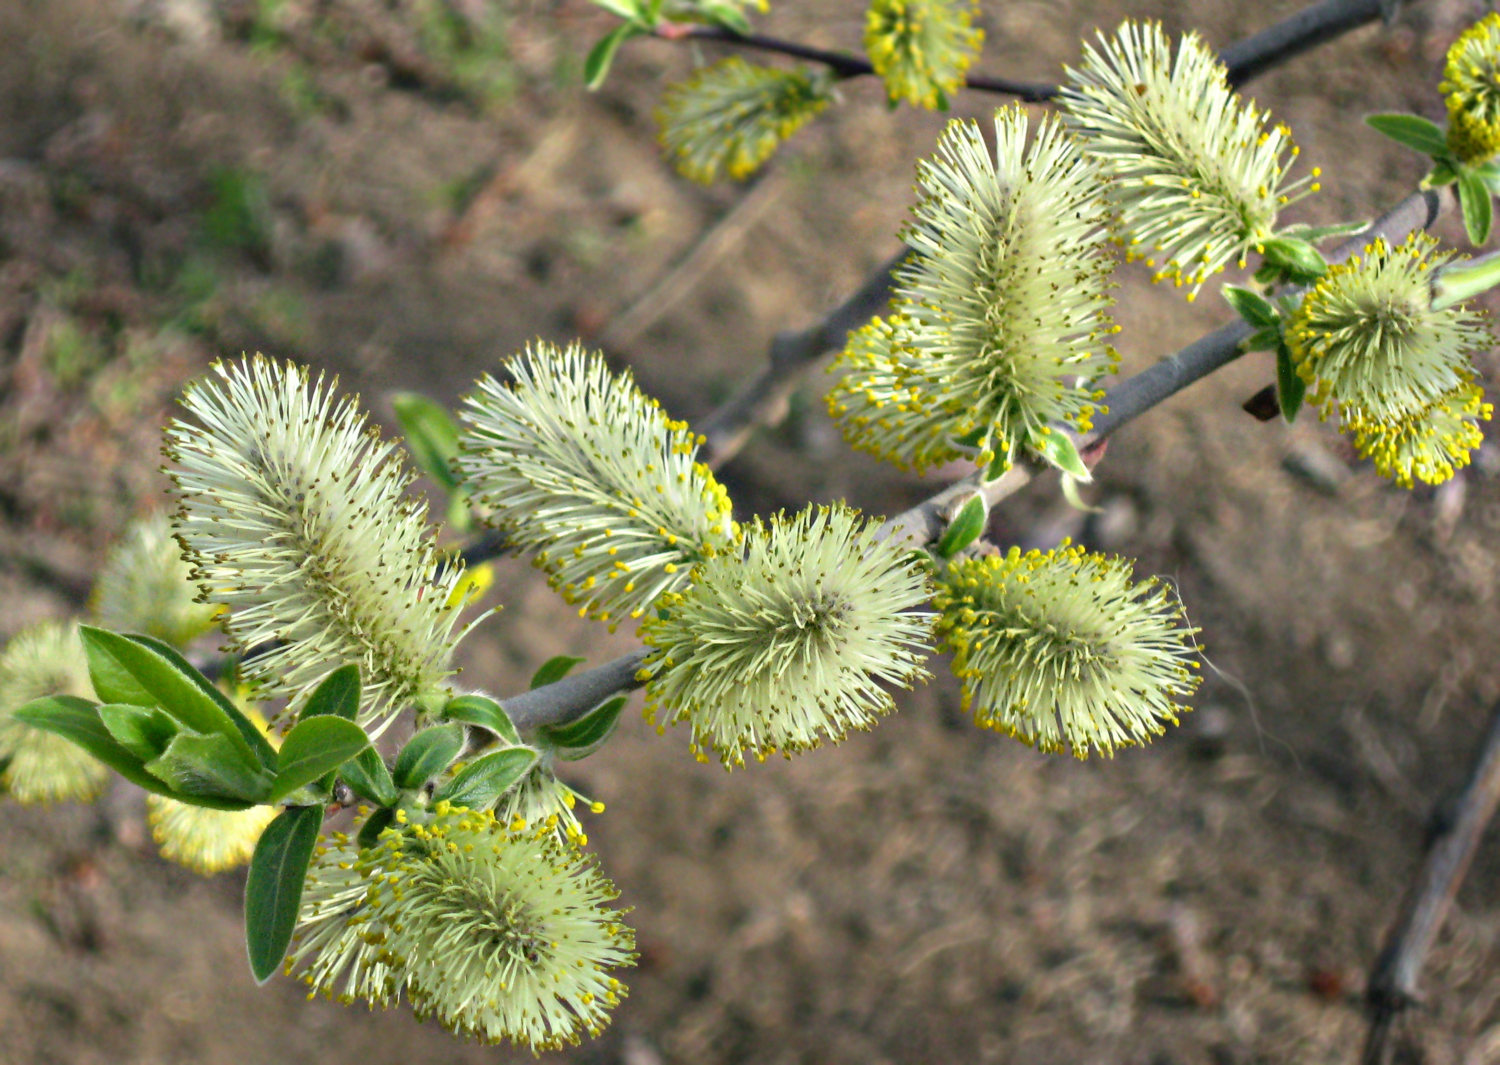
(642, 18)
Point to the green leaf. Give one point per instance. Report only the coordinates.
(1414, 131)
(427, 754)
(253, 735)
(1075, 499)
(368, 778)
(431, 436)
(458, 517)
(1267, 273)
(972, 438)
(144, 731)
(1314, 234)
(1263, 339)
(1489, 173)
(136, 672)
(1289, 385)
(553, 670)
(375, 824)
(1443, 172)
(337, 695)
(486, 713)
(1298, 259)
(488, 777)
(1251, 306)
(1478, 208)
(602, 56)
(316, 746)
(581, 738)
(211, 767)
(966, 527)
(273, 890)
(1057, 449)
(77, 721)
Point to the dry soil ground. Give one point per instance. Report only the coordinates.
(331, 181)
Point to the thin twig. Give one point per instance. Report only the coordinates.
(1308, 28)
(1394, 983)
(922, 524)
(763, 400)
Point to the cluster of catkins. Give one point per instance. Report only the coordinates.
(769, 635)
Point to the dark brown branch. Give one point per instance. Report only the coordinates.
(764, 398)
(1136, 395)
(922, 524)
(847, 66)
(1247, 58)
(1394, 983)
(1295, 34)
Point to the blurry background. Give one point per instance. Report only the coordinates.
(405, 191)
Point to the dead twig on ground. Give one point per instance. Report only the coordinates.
(1394, 984)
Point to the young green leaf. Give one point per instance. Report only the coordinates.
(212, 767)
(1265, 338)
(583, 737)
(1443, 173)
(253, 735)
(486, 713)
(134, 672)
(1414, 131)
(77, 721)
(1070, 493)
(553, 670)
(1314, 234)
(1478, 208)
(1251, 306)
(1057, 449)
(602, 56)
(317, 745)
(144, 731)
(966, 527)
(338, 696)
(1489, 173)
(1298, 259)
(431, 436)
(488, 777)
(1289, 385)
(368, 778)
(427, 754)
(273, 890)
(374, 825)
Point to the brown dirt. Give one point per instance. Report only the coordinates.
(927, 892)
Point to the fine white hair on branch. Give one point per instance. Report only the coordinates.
(295, 518)
(576, 464)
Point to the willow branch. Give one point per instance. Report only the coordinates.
(1247, 58)
(924, 523)
(763, 400)
(1394, 984)
(844, 65)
